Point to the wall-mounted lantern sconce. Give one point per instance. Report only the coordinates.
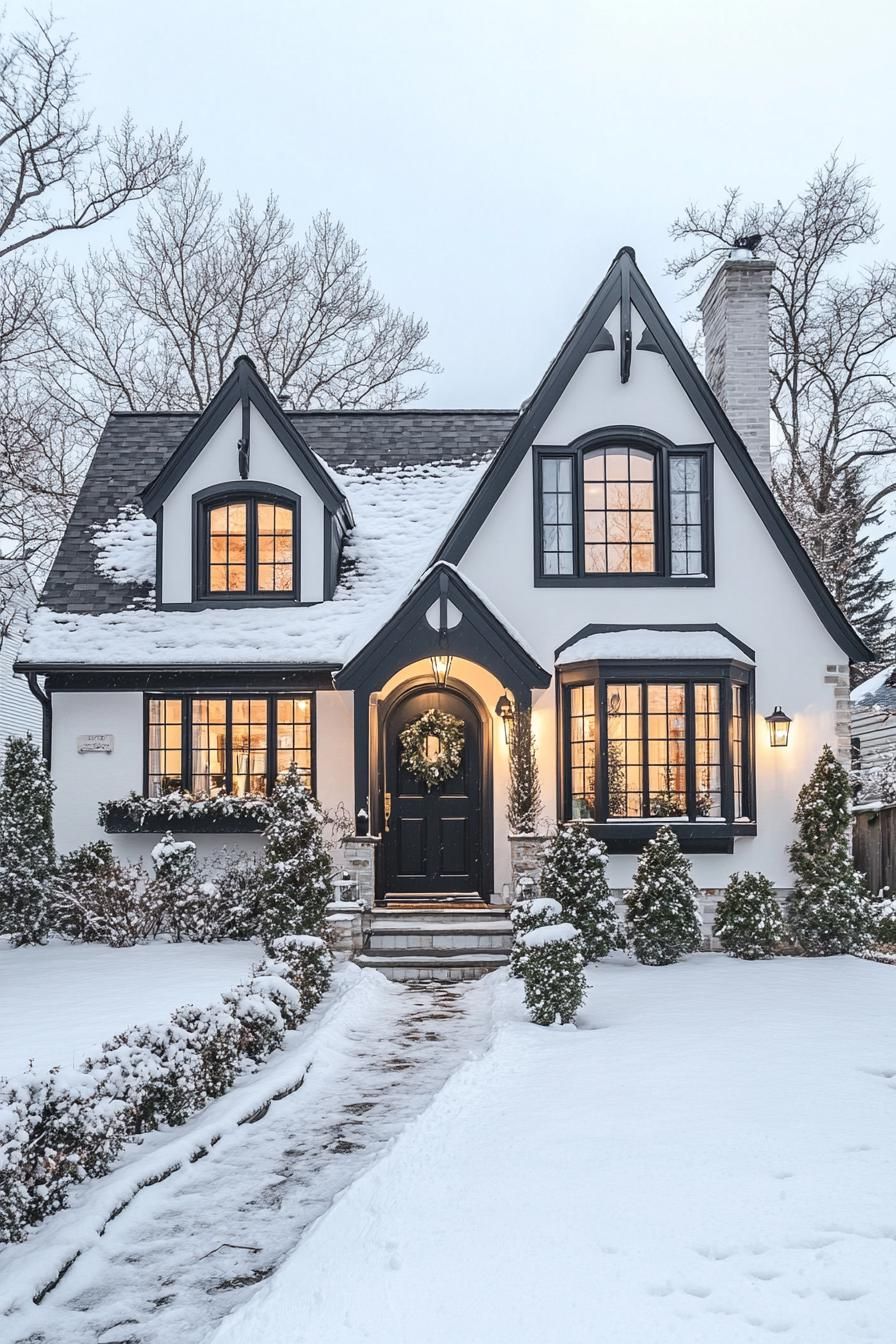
(441, 661)
(504, 711)
(778, 727)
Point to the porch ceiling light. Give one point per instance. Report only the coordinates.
(778, 727)
(504, 711)
(441, 661)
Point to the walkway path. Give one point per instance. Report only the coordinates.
(190, 1250)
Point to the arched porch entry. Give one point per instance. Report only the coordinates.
(433, 841)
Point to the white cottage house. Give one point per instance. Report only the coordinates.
(252, 585)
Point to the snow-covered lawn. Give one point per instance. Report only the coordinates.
(709, 1157)
(59, 1002)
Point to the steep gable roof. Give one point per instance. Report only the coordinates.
(245, 387)
(622, 284)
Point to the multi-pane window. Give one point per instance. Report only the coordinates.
(686, 514)
(624, 511)
(618, 495)
(164, 746)
(661, 748)
(250, 548)
(227, 743)
(294, 735)
(582, 747)
(557, 515)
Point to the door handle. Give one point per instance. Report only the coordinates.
(387, 810)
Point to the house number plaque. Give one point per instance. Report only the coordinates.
(96, 742)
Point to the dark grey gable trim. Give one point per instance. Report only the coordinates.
(587, 630)
(244, 385)
(705, 403)
(480, 636)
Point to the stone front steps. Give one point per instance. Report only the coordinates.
(442, 944)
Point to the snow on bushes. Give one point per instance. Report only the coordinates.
(663, 919)
(574, 874)
(191, 905)
(294, 882)
(830, 910)
(136, 812)
(748, 920)
(98, 899)
(62, 1127)
(885, 920)
(553, 973)
(526, 915)
(27, 855)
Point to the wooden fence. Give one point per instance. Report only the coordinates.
(874, 846)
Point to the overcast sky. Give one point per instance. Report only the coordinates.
(492, 157)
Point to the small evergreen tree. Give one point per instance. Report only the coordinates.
(524, 793)
(574, 874)
(830, 909)
(190, 902)
(295, 883)
(663, 913)
(553, 974)
(748, 920)
(27, 856)
(525, 915)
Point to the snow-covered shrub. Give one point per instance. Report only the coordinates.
(525, 915)
(260, 1022)
(574, 873)
(830, 909)
(748, 920)
(135, 812)
(885, 919)
(214, 1036)
(236, 877)
(553, 973)
(294, 881)
(99, 899)
(305, 962)
(27, 855)
(663, 919)
(156, 1070)
(191, 901)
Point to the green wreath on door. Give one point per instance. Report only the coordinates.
(432, 767)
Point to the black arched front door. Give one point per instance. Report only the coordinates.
(433, 839)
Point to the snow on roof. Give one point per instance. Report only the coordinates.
(400, 514)
(126, 547)
(652, 643)
(866, 692)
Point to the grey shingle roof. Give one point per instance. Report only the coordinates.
(133, 448)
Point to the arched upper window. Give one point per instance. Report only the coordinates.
(248, 547)
(630, 508)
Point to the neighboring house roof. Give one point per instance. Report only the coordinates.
(878, 691)
(133, 449)
(623, 286)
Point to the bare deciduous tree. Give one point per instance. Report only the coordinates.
(832, 391)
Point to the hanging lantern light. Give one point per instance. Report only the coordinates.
(504, 711)
(441, 661)
(778, 727)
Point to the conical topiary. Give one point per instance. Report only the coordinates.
(830, 909)
(663, 913)
(27, 855)
(748, 920)
(574, 874)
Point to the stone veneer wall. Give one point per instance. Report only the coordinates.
(837, 677)
(526, 859)
(359, 861)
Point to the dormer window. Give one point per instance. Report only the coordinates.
(623, 507)
(248, 548)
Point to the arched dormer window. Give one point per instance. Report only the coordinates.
(248, 545)
(624, 507)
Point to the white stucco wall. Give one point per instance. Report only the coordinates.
(755, 596)
(217, 464)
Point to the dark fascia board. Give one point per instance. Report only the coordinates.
(705, 403)
(75, 676)
(245, 381)
(587, 630)
(363, 666)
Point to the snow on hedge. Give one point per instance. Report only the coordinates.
(400, 513)
(126, 547)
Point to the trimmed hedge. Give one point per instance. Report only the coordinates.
(59, 1128)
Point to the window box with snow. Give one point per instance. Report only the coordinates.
(657, 729)
(224, 814)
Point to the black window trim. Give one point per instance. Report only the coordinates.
(628, 835)
(186, 697)
(254, 492)
(632, 436)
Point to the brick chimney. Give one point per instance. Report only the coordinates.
(734, 310)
